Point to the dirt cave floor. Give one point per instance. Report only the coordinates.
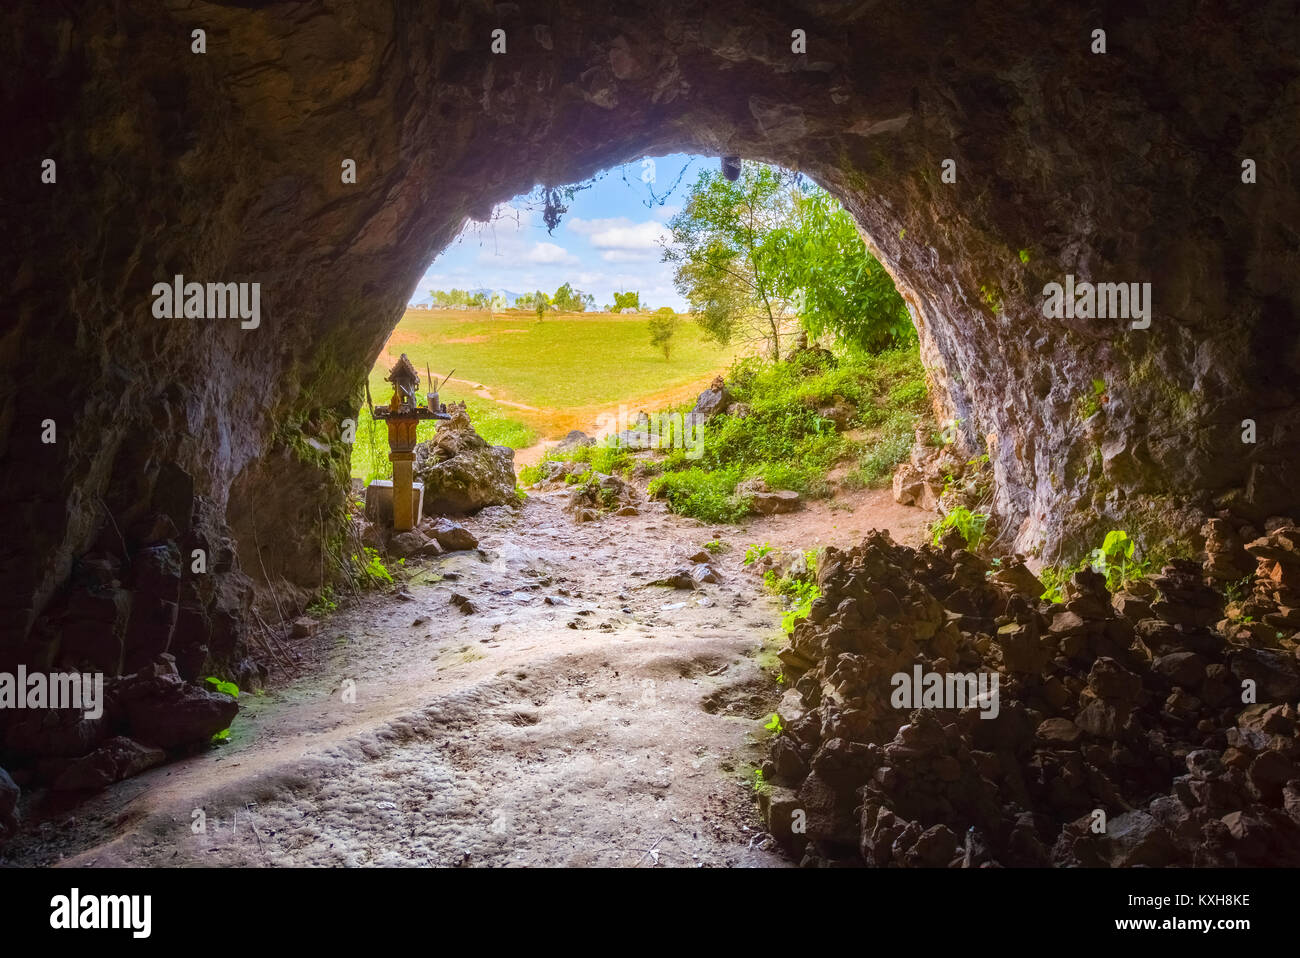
(576, 716)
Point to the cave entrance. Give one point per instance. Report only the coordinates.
(661, 282)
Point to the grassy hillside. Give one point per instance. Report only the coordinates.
(540, 379)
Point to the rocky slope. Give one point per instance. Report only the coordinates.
(1141, 728)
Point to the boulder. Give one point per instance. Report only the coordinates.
(460, 471)
(412, 543)
(909, 485)
(713, 400)
(839, 412)
(1276, 674)
(1136, 838)
(774, 502)
(765, 501)
(575, 439)
(166, 711)
(451, 536)
(597, 495)
(117, 758)
(379, 502)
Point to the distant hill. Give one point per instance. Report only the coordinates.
(427, 300)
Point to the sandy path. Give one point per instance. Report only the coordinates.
(577, 717)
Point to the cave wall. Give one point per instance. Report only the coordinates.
(225, 166)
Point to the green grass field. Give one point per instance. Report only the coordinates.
(565, 370)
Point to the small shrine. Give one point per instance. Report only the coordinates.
(403, 414)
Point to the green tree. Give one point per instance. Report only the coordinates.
(570, 300)
(541, 303)
(443, 298)
(631, 300)
(754, 255)
(725, 266)
(663, 324)
(838, 285)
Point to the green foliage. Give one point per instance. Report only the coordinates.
(785, 441)
(221, 736)
(845, 290)
(663, 324)
(627, 300)
(948, 435)
(1088, 404)
(570, 300)
(459, 297)
(774, 725)
(800, 611)
(876, 466)
(800, 591)
(1053, 579)
(375, 570)
(715, 546)
(706, 494)
(755, 552)
(969, 524)
(1114, 559)
(992, 297)
(770, 247)
(1238, 589)
(324, 603)
(723, 265)
(229, 688)
(603, 457)
(541, 303)
(1024, 256)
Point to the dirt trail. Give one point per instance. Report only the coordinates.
(578, 717)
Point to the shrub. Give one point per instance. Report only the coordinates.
(969, 524)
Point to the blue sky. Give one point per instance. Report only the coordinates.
(608, 240)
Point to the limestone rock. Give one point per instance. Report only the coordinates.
(460, 471)
(712, 401)
(452, 536)
(170, 713)
(411, 543)
(117, 758)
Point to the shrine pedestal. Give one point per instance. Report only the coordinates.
(379, 502)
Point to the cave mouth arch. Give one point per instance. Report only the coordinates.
(226, 166)
(285, 568)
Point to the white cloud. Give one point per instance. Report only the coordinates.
(620, 239)
(549, 254)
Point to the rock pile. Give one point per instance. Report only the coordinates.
(1115, 730)
(1267, 614)
(598, 494)
(938, 477)
(432, 537)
